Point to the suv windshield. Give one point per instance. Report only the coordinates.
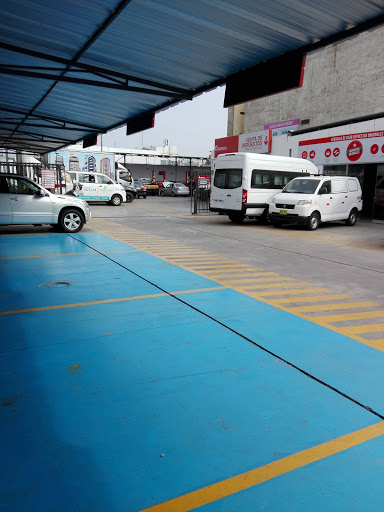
(301, 186)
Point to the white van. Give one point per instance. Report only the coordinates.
(95, 186)
(244, 183)
(315, 199)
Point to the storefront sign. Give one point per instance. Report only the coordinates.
(367, 147)
(256, 142)
(282, 127)
(226, 145)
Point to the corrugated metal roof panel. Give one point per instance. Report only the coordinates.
(174, 43)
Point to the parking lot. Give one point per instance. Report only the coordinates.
(164, 361)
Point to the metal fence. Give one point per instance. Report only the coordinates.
(201, 192)
(33, 172)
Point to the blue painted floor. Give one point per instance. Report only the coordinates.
(130, 397)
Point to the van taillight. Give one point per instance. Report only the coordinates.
(244, 197)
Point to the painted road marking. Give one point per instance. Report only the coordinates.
(291, 292)
(238, 483)
(107, 301)
(349, 316)
(359, 329)
(333, 307)
(215, 268)
(64, 254)
(315, 298)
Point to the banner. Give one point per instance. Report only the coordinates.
(256, 142)
(226, 145)
(367, 147)
(83, 161)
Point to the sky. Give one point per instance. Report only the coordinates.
(191, 126)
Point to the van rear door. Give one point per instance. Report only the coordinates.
(227, 189)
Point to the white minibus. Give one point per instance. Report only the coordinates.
(244, 183)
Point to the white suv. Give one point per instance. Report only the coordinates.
(311, 200)
(22, 201)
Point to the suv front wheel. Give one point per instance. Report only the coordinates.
(71, 221)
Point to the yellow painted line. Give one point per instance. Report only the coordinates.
(233, 274)
(281, 285)
(220, 266)
(256, 476)
(249, 278)
(232, 270)
(107, 301)
(199, 266)
(203, 259)
(350, 316)
(262, 280)
(63, 254)
(311, 299)
(332, 307)
(291, 292)
(359, 329)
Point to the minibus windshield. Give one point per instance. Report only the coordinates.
(301, 186)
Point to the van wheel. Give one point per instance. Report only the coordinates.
(351, 221)
(71, 221)
(313, 221)
(116, 200)
(129, 197)
(236, 217)
(264, 218)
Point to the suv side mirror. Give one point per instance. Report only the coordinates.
(323, 190)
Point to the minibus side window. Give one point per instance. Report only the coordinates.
(270, 179)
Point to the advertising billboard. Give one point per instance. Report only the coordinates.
(367, 147)
(87, 162)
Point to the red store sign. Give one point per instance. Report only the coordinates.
(367, 147)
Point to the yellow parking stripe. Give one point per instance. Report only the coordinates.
(107, 301)
(249, 278)
(291, 292)
(243, 481)
(311, 299)
(234, 269)
(281, 285)
(262, 280)
(349, 316)
(359, 329)
(63, 254)
(333, 307)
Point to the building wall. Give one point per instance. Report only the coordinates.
(341, 82)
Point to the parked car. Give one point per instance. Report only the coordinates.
(163, 184)
(22, 201)
(151, 186)
(314, 199)
(175, 189)
(130, 190)
(141, 191)
(95, 186)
